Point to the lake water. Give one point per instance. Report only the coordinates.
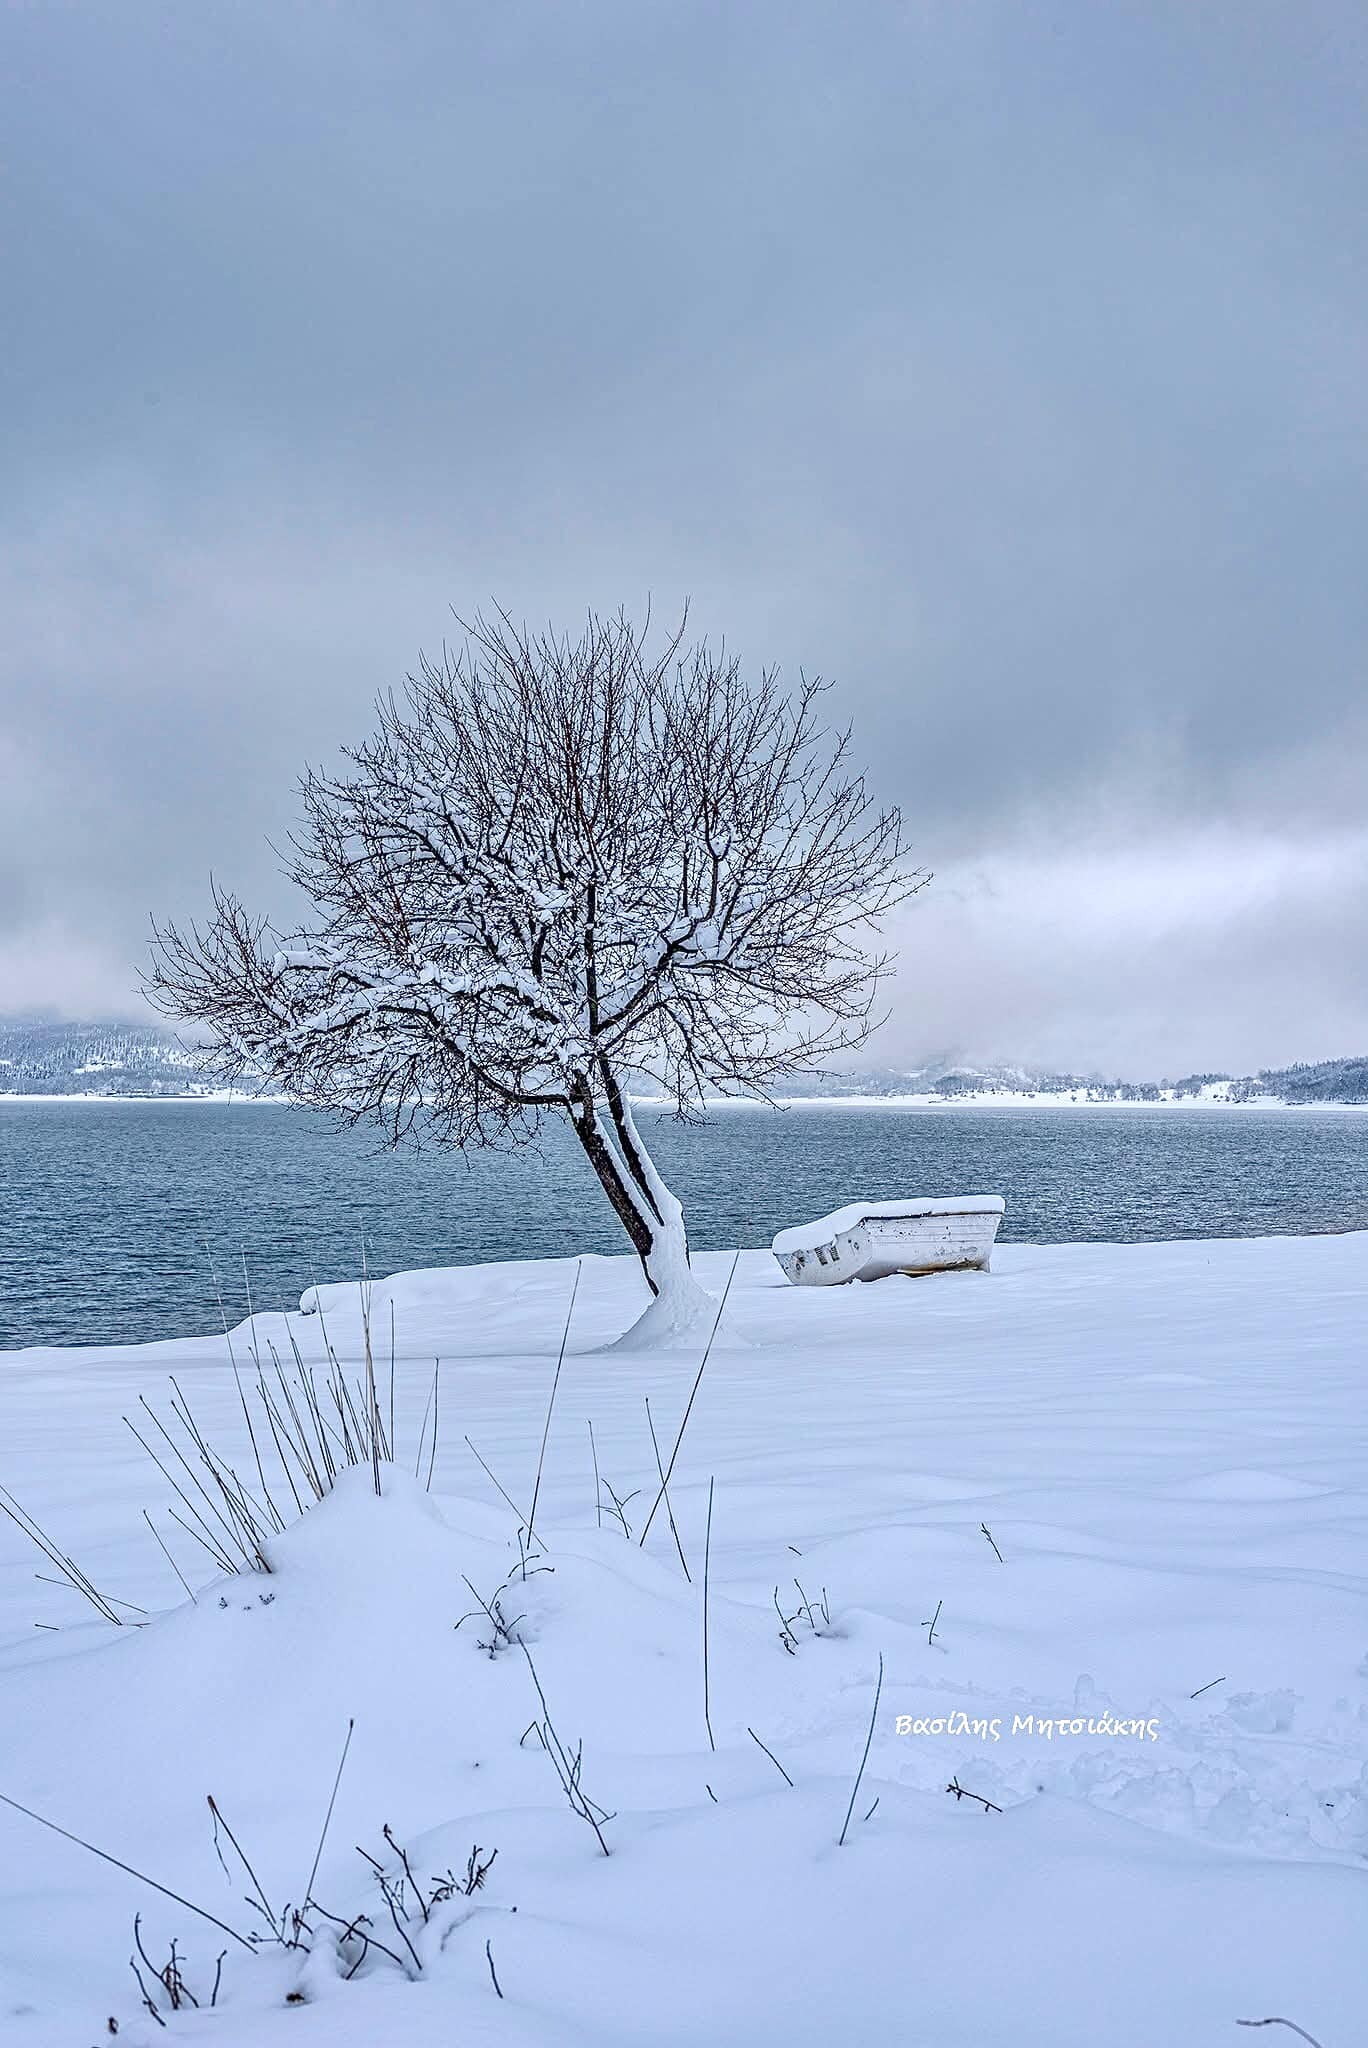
(105, 1207)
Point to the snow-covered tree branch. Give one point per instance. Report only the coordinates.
(558, 866)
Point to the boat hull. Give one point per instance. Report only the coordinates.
(876, 1247)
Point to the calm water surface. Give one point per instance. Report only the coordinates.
(105, 1208)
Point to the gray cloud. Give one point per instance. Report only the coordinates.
(1005, 362)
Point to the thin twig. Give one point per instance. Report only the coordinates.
(70, 1571)
(353, 1927)
(276, 1423)
(707, 1552)
(489, 1957)
(1281, 2023)
(493, 1613)
(170, 1976)
(669, 1469)
(169, 1559)
(372, 1400)
(129, 1606)
(422, 1433)
(550, 1406)
(598, 1490)
(402, 1853)
(669, 1509)
(962, 1792)
(141, 1876)
(620, 1504)
(232, 1357)
(147, 1997)
(567, 1770)
(436, 1405)
(865, 1758)
(223, 1564)
(222, 1550)
(327, 1818)
(770, 1754)
(494, 1482)
(256, 1360)
(399, 1927)
(265, 1904)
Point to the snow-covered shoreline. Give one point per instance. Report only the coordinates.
(214, 1095)
(1005, 1099)
(1098, 1487)
(989, 1099)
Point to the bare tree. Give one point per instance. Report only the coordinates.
(559, 865)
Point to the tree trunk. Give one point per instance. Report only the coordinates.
(612, 1178)
(649, 1212)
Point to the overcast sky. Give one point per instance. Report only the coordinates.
(1004, 362)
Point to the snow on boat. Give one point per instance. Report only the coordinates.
(870, 1240)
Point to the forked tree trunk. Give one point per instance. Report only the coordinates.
(647, 1209)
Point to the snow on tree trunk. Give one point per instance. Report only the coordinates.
(679, 1300)
(649, 1210)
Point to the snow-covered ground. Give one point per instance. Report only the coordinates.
(1155, 1663)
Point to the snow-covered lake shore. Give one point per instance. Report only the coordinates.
(1005, 1098)
(995, 1098)
(1167, 1445)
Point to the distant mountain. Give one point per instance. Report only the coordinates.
(43, 1056)
(1329, 1081)
(1333, 1081)
(949, 1079)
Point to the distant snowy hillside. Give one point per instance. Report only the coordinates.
(43, 1056)
(1331, 1081)
(955, 1078)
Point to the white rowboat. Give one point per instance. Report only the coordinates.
(870, 1240)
